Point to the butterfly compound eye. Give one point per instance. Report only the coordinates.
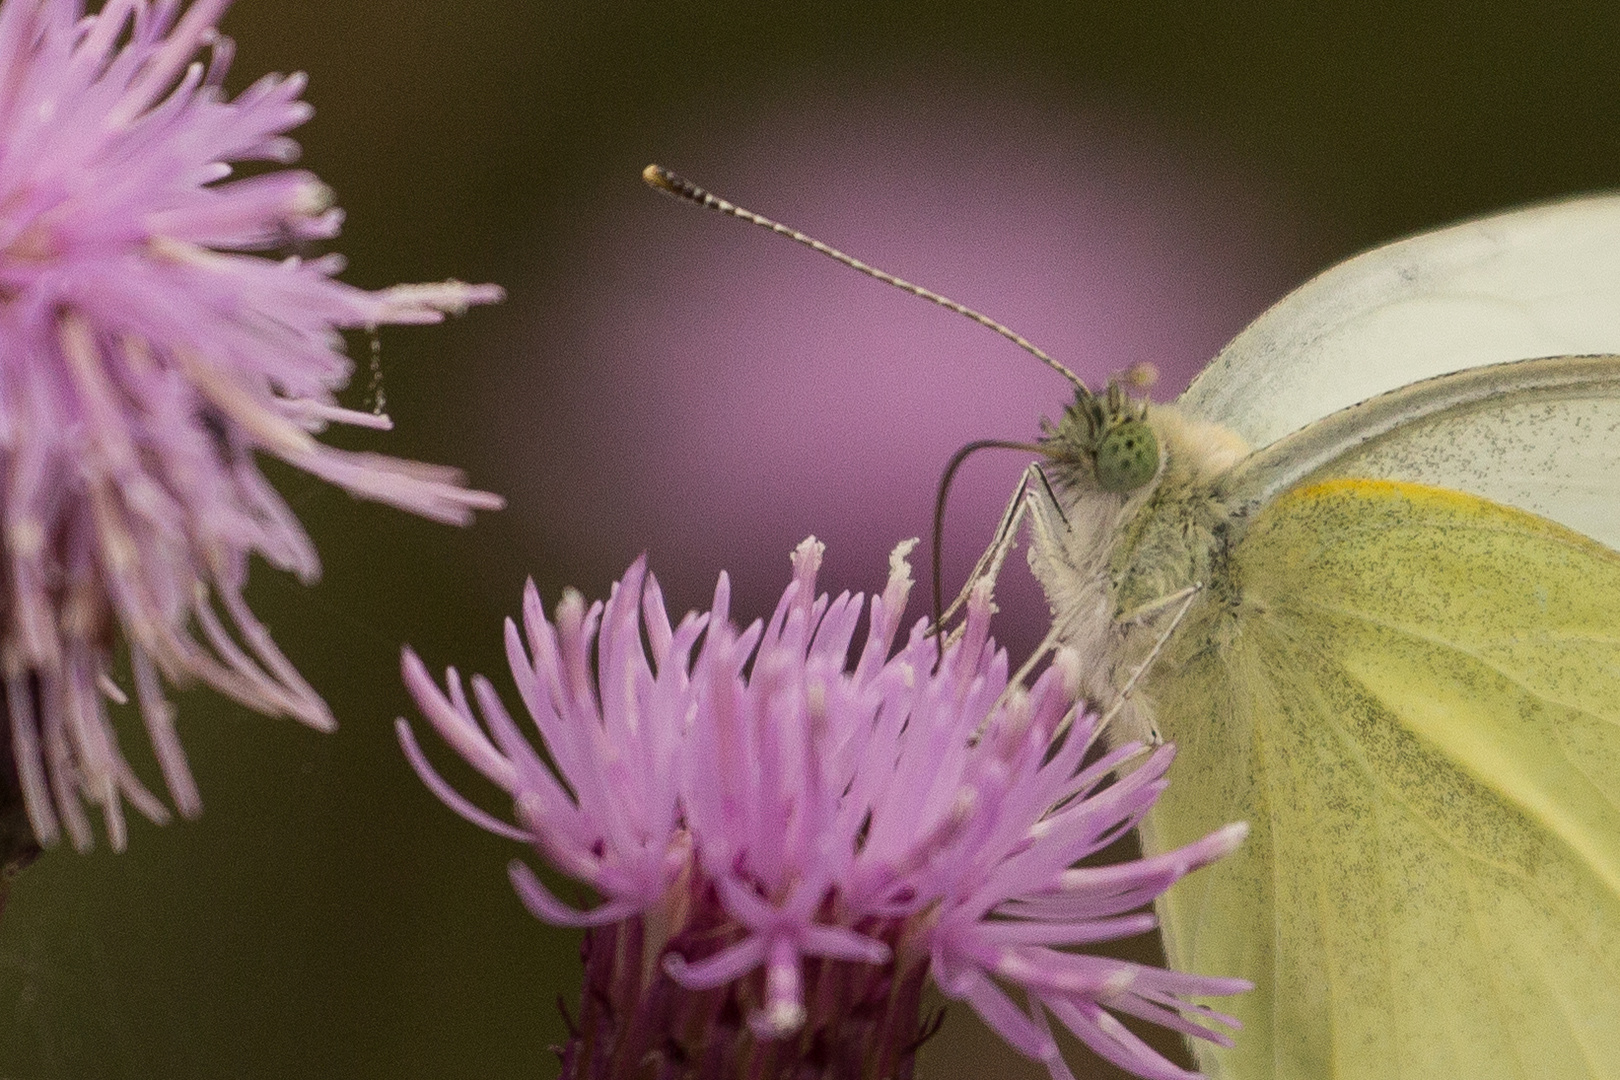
(1127, 457)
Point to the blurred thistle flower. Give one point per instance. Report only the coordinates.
(144, 361)
(785, 852)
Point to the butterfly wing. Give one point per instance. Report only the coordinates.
(1542, 435)
(1416, 704)
(1544, 281)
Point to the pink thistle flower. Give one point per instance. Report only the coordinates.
(786, 846)
(145, 359)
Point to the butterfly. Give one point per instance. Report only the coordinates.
(1365, 570)
(1364, 573)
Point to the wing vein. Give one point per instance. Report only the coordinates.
(1493, 977)
(1575, 761)
(1461, 650)
(1389, 798)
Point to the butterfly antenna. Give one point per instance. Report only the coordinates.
(673, 183)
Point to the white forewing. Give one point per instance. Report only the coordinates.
(1531, 283)
(1540, 435)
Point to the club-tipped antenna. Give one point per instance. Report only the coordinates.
(673, 183)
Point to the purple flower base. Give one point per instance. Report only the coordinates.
(861, 1021)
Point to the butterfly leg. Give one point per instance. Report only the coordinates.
(1051, 641)
(1018, 681)
(1185, 598)
(1139, 615)
(988, 568)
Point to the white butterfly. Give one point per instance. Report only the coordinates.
(1392, 505)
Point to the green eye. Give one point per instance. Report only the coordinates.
(1127, 457)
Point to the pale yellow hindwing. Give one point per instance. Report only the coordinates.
(1414, 697)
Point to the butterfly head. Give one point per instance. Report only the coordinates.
(1105, 439)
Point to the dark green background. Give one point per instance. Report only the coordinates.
(325, 917)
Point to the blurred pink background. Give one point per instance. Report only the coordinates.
(701, 390)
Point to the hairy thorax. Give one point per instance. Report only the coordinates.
(1119, 569)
